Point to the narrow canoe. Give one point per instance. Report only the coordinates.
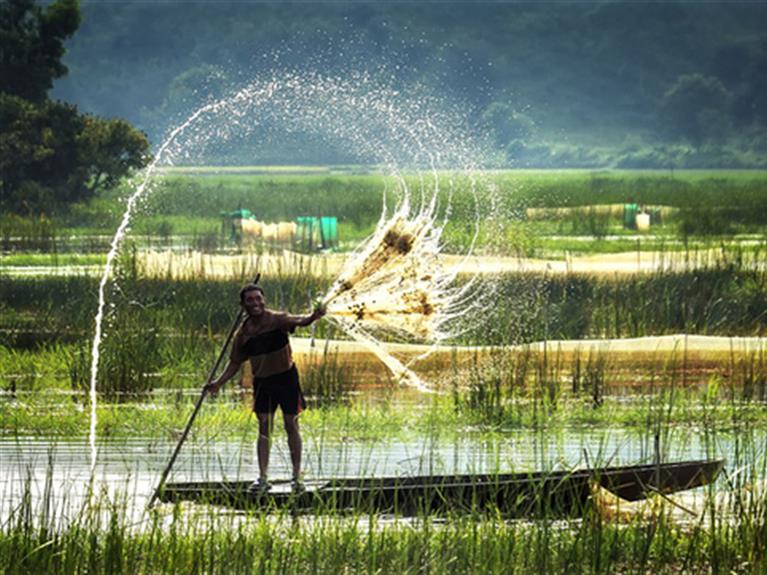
(515, 494)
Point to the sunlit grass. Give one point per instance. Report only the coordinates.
(52, 259)
(163, 333)
(503, 390)
(107, 533)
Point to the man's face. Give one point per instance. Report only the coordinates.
(254, 303)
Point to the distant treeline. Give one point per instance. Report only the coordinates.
(621, 84)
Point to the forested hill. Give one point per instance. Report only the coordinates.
(626, 84)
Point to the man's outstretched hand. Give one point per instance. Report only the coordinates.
(318, 311)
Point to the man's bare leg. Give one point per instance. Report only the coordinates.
(264, 443)
(295, 445)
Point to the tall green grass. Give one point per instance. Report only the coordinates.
(728, 201)
(525, 388)
(358, 197)
(683, 189)
(102, 535)
(725, 295)
(32, 233)
(492, 390)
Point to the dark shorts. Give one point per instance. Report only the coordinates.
(281, 389)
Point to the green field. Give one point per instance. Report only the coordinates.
(163, 331)
(702, 207)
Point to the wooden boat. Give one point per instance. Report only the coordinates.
(515, 494)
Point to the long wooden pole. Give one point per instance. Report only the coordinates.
(198, 405)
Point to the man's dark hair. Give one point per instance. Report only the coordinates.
(247, 288)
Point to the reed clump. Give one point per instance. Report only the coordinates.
(722, 296)
(103, 536)
(325, 380)
(27, 234)
(544, 386)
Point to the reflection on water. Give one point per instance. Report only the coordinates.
(130, 468)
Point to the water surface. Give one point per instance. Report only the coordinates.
(128, 469)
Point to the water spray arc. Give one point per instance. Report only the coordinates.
(395, 283)
(112, 254)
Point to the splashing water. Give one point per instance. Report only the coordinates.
(396, 282)
(122, 230)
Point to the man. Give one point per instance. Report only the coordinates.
(263, 339)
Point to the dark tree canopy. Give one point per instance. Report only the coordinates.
(50, 154)
(109, 150)
(32, 45)
(573, 84)
(38, 150)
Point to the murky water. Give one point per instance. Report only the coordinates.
(128, 469)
